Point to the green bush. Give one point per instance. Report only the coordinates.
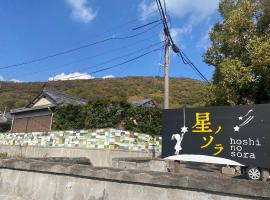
(146, 120)
(105, 113)
(69, 117)
(5, 127)
(108, 114)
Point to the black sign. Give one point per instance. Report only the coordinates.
(233, 135)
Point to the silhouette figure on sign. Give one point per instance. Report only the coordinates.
(178, 139)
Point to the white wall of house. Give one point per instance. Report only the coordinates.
(42, 102)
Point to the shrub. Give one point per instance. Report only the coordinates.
(5, 127)
(108, 114)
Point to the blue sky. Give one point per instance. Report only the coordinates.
(32, 29)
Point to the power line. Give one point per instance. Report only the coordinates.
(142, 26)
(78, 48)
(187, 61)
(122, 63)
(165, 25)
(122, 56)
(89, 57)
(119, 26)
(128, 22)
(180, 53)
(165, 7)
(130, 60)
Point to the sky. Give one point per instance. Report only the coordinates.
(32, 29)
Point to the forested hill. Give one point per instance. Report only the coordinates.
(183, 91)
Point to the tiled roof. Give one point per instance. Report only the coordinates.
(24, 109)
(57, 98)
(61, 99)
(139, 102)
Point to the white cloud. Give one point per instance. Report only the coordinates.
(146, 10)
(108, 76)
(178, 34)
(81, 11)
(204, 41)
(194, 11)
(15, 80)
(11, 80)
(190, 12)
(71, 76)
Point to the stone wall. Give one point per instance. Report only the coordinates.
(23, 180)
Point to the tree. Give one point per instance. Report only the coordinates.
(146, 120)
(105, 113)
(240, 53)
(69, 117)
(108, 114)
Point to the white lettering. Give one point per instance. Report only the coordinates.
(237, 147)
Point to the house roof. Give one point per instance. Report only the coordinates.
(140, 102)
(25, 109)
(57, 98)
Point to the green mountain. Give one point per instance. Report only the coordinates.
(183, 91)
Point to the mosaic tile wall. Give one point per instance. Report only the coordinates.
(96, 139)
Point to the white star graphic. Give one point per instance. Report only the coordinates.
(184, 129)
(240, 118)
(236, 128)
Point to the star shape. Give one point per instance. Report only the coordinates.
(240, 118)
(184, 129)
(236, 128)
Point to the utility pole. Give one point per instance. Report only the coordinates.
(166, 68)
(168, 42)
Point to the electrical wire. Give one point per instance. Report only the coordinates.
(78, 48)
(128, 22)
(110, 60)
(122, 63)
(142, 26)
(165, 7)
(166, 26)
(180, 53)
(130, 60)
(122, 56)
(187, 61)
(108, 51)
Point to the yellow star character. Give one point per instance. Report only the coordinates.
(202, 123)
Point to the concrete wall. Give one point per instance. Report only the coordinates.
(98, 157)
(23, 180)
(147, 164)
